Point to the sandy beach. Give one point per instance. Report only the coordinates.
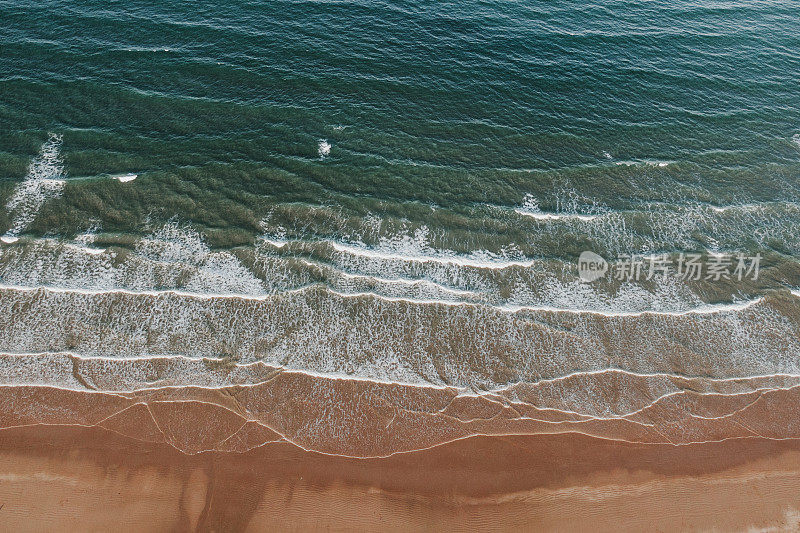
(149, 463)
(67, 477)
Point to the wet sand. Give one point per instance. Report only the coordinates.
(296, 451)
(69, 478)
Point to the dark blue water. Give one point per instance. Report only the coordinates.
(492, 132)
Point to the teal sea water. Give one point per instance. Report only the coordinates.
(406, 184)
(456, 107)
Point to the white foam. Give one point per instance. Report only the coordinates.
(742, 207)
(154, 292)
(646, 162)
(91, 251)
(443, 258)
(554, 216)
(125, 178)
(312, 330)
(42, 182)
(324, 149)
(84, 241)
(701, 310)
(416, 248)
(412, 282)
(42, 379)
(668, 375)
(181, 245)
(568, 203)
(171, 257)
(176, 259)
(397, 281)
(507, 308)
(275, 242)
(223, 296)
(410, 258)
(129, 373)
(9, 239)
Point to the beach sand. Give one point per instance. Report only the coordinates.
(92, 479)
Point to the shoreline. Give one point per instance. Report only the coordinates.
(94, 477)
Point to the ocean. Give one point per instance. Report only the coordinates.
(201, 196)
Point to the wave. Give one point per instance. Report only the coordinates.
(466, 346)
(700, 310)
(176, 257)
(498, 237)
(191, 269)
(644, 162)
(74, 371)
(324, 149)
(43, 181)
(415, 248)
(569, 206)
(658, 226)
(512, 309)
(538, 215)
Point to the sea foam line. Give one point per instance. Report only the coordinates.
(513, 309)
(707, 309)
(539, 215)
(703, 310)
(392, 281)
(421, 258)
(462, 391)
(489, 395)
(338, 376)
(667, 375)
